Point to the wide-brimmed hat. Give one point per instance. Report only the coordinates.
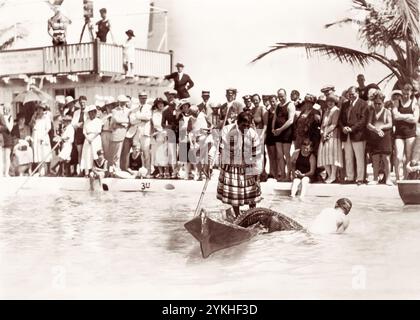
(179, 64)
(231, 91)
(184, 102)
(123, 98)
(130, 33)
(143, 94)
(90, 108)
(205, 93)
(68, 100)
(159, 100)
(327, 88)
(246, 97)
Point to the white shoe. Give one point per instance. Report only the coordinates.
(373, 183)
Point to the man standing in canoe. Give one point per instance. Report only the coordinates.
(240, 164)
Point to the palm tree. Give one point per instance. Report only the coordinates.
(10, 34)
(391, 27)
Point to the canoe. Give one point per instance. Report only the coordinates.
(215, 235)
(409, 191)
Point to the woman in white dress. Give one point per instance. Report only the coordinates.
(160, 143)
(92, 131)
(41, 125)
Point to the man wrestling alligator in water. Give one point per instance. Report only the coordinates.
(330, 220)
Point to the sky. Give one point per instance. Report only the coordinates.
(217, 39)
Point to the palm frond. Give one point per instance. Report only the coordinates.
(406, 17)
(342, 54)
(344, 21)
(8, 43)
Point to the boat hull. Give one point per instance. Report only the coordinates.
(409, 191)
(215, 235)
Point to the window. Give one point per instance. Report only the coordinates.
(65, 92)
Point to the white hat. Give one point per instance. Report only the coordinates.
(69, 99)
(109, 100)
(123, 98)
(99, 103)
(90, 108)
(60, 99)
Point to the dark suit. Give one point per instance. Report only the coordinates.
(356, 117)
(180, 84)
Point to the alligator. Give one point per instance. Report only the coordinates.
(268, 219)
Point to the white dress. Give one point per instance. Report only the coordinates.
(41, 140)
(89, 151)
(65, 153)
(160, 145)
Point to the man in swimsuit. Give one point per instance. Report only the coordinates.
(57, 27)
(104, 27)
(332, 220)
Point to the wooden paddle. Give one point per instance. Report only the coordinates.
(203, 192)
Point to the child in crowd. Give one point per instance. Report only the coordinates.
(100, 170)
(22, 157)
(303, 168)
(67, 139)
(135, 163)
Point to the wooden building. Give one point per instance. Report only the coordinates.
(92, 69)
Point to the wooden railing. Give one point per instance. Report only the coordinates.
(86, 57)
(69, 59)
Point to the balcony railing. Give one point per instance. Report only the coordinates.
(82, 58)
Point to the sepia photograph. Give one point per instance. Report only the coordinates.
(207, 150)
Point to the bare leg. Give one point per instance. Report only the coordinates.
(236, 210)
(408, 150)
(376, 158)
(328, 170)
(305, 183)
(399, 157)
(387, 169)
(281, 165)
(295, 186)
(286, 152)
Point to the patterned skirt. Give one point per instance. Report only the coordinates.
(330, 153)
(237, 189)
